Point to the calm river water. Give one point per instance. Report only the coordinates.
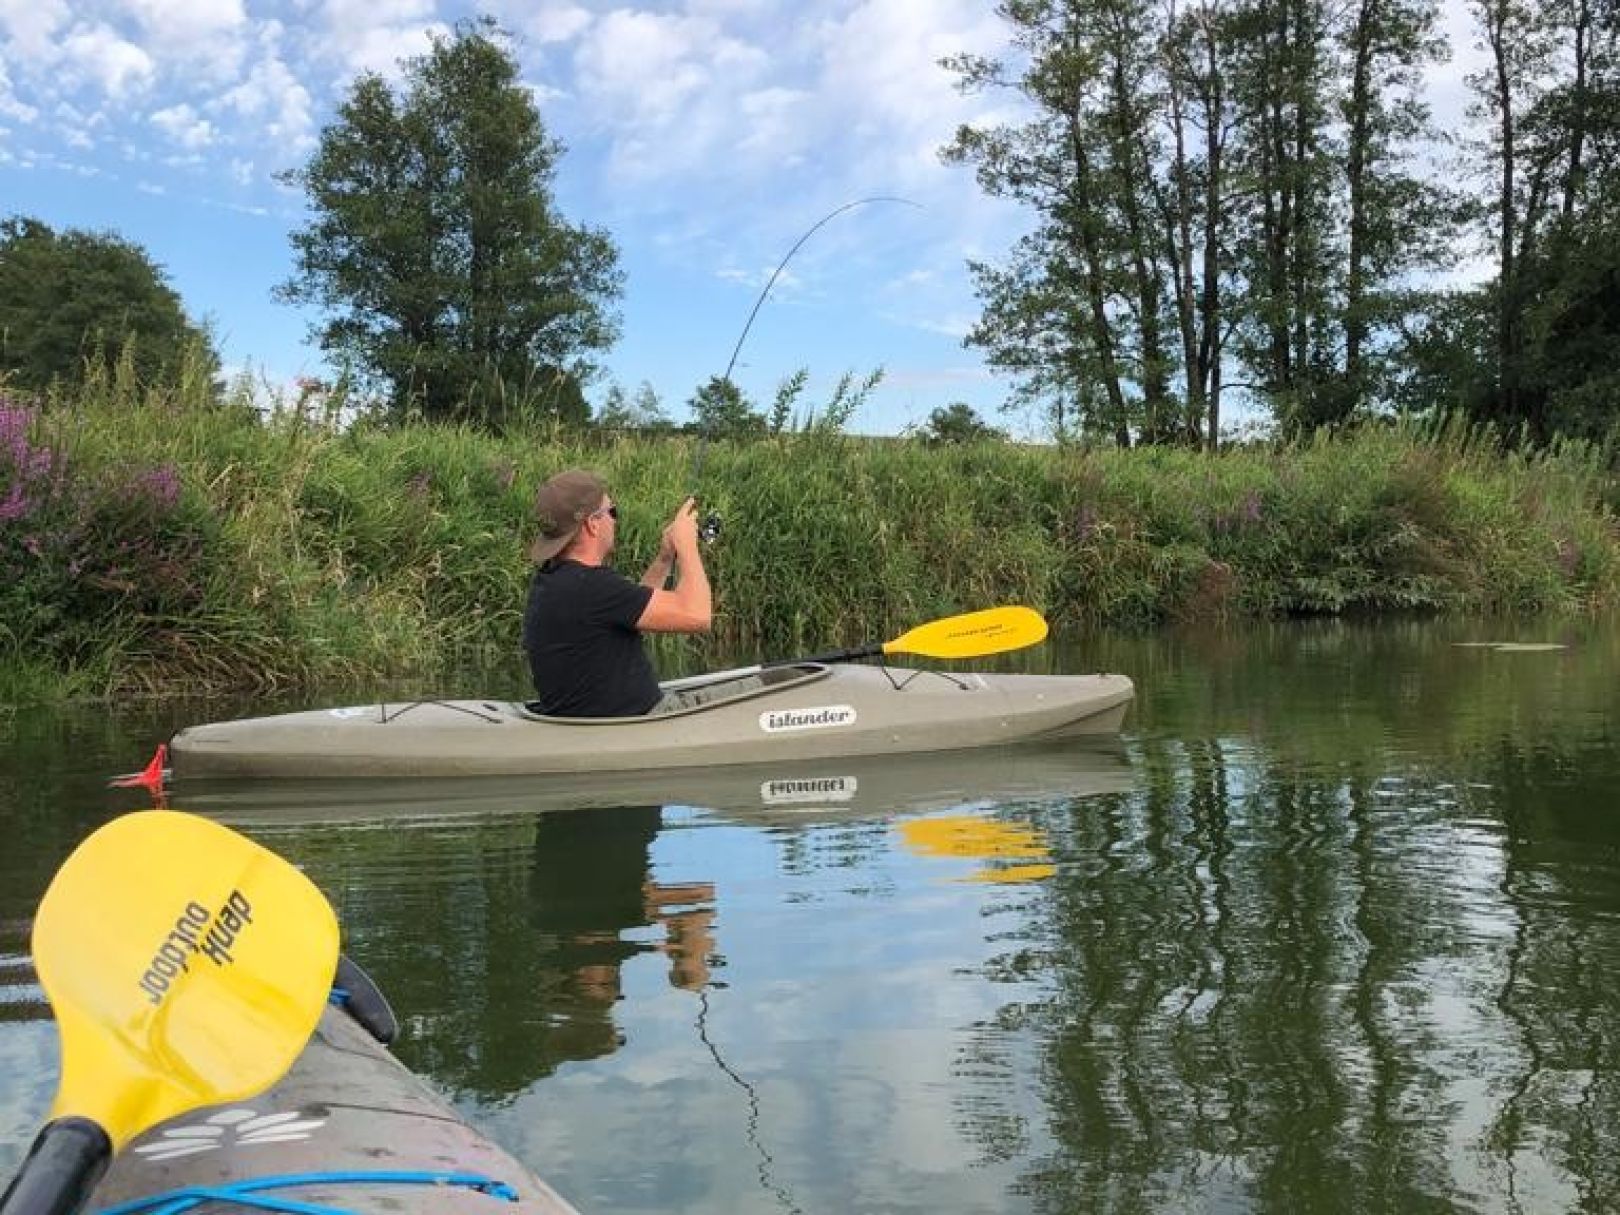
(1333, 928)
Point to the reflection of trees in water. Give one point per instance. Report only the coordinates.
(849, 846)
(1557, 987)
(502, 944)
(1272, 987)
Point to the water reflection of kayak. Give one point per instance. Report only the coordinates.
(780, 793)
(347, 1129)
(800, 712)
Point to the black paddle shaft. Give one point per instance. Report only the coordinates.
(67, 1159)
(860, 651)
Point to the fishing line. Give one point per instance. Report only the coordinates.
(767, 1162)
(711, 521)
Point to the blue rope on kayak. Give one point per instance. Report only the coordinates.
(250, 1193)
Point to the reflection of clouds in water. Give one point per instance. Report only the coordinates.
(28, 1061)
(866, 1120)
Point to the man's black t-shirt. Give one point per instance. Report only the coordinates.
(584, 651)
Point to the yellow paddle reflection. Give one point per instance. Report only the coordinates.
(1016, 852)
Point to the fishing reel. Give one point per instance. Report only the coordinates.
(709, 527)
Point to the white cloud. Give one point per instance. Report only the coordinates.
(375, 35)
(901, 105)
(773, 121)
(665, 89)
(31, 25)
(185, 126)
(548, 23)
(209, 35)
(384, 49)
(96, 53)
(10, 106)
(277, 100)
(188, 20)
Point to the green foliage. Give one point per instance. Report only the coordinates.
(641, 411)
(436, 250)
(1572, 328)
(958, 423)
(721, 411)
(831, 419)
(153, 539)
(72, 302)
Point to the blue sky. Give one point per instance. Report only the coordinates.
(705, 135)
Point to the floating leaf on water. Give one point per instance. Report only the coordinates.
(1528, 647)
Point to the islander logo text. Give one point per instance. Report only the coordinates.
(778, 720)
(808, 789)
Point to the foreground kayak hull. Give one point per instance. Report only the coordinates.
(806, 712)
(346, 1107)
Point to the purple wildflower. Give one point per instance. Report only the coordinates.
(14, 433)
(16, 505)
(161, 486)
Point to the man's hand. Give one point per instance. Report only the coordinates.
(689, 607)
(681, 536)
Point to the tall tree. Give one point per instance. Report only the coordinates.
(1515, 37)
(1569, 274)
(72, 298)
(721, 411)
(1398, 221)
(1058, 314)
(436, 249)
(640, 410)
(1282, 78)
(1192, 200)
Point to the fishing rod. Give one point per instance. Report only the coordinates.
(709, 528)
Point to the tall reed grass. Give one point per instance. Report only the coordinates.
(152, 539)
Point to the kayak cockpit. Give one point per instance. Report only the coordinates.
(702, 693)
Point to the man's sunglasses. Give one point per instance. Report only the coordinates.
(612, 512)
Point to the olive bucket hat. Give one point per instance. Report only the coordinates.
(563, 503)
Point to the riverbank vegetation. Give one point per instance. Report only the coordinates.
(1232, 210)
(158, 538)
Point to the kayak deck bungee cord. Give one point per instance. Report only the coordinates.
(347, 1131)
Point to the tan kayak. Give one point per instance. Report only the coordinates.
(805, 711)
(348, 1129)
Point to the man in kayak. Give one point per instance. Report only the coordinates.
(583, 624)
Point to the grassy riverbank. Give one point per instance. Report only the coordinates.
(148, 543)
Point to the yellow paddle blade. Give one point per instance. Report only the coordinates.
(186, 966)
(973, 634)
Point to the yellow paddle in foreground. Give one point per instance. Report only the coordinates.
(186, 966)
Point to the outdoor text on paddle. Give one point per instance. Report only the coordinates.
(196, 931)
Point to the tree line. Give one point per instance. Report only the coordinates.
(1251, 197)
(1234, 201)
